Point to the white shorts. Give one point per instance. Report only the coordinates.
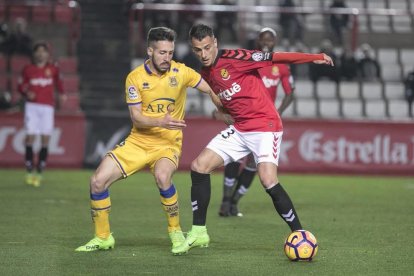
(38, 119)
(233, 145)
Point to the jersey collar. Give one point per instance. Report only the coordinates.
(148, 70)
(219, 54)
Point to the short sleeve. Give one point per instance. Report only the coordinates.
(191, 77)
(132, 94)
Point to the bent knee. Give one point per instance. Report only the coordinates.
(97, 184)
(199, 166)
(163, 179)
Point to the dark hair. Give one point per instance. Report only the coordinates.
(200, 31)
(40, 44)
(160, 34)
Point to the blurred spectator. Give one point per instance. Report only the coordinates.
(5, 100)
(152, 18)
(409, 91)
(338, 22)
(4, 31)
(162, 18)
(187, 19)
(188, 58)
(318, 71)
(18, 42)
(368, 67)
(225, 21)
(348, 65)
(291, 23)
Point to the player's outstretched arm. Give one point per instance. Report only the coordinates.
(293, 57)
(139, 120)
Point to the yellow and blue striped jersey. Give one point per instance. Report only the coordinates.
(157, 94)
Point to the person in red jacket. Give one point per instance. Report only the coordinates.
(37, 85)
(257, 128)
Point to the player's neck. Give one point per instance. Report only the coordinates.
(41, 64)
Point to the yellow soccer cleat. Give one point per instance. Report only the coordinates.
(29, 179)
(37, 179)
(177, 238)
(96, 244)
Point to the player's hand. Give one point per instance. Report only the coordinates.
(326, 60)
(169, 122)
(30, 95)
(226, 118)
(63, 98)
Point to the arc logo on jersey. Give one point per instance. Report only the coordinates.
(161, 105)
(224, 74)
(132, 93)
(173, 82)
(228, 93)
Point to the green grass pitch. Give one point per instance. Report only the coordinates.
(364, 226)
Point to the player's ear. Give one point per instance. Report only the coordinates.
(150, 51)
(215, 42)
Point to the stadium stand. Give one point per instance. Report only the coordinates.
(390, 37)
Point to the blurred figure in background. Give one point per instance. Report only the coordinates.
(18, 42)
(368, 67)
(37, 84)
(187, 19)
(338, 22)
(348, 65)
(318, 71)
(409, 91)
(291, 23)
(225, 22)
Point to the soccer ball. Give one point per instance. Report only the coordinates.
(301, 245)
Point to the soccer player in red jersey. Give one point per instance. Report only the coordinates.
(271, 76)
(37, 85)
(257, 129)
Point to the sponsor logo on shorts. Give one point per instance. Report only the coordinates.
(132, 93)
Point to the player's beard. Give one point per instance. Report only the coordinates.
(159, 69)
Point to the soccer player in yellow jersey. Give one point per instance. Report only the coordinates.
(156, 95)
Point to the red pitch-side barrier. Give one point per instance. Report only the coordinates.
(315, 146)
(66, 147)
